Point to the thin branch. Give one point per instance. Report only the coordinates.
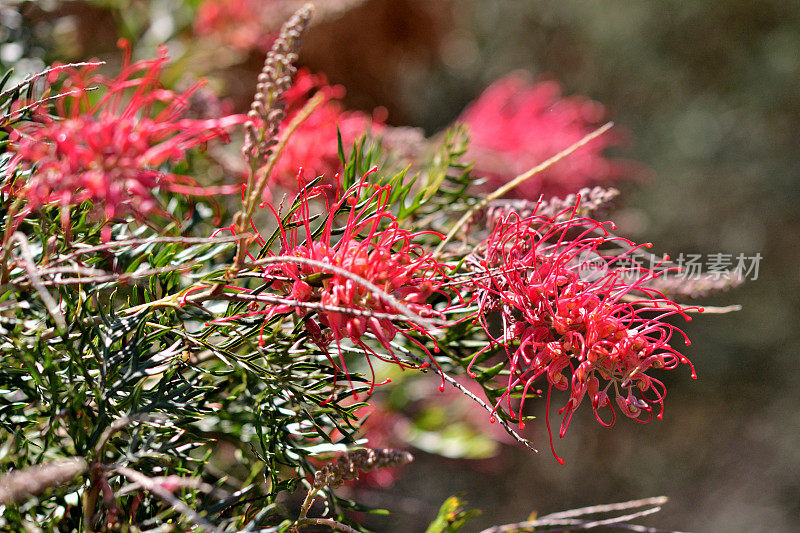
(519, 438)
(33, 77)
(333, 524)
(516, 181)
(101, 276)
(409, 315)
(19, 485)
(267, 298)
(157, 489)
(148, 240)
(38, 103)
(608, 507)
(568, 524)
(36, 281)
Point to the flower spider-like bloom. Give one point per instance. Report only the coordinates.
(370, 277)
(109, 149)
(576, 312)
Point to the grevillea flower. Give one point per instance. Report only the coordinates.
(577, 314)
(369, 278)
(108, 146)
(515, 125)
(314, 145)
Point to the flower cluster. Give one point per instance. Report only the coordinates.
(108, 148)
(515, 125)
(314, 145)
(574, 314)
(370, 277)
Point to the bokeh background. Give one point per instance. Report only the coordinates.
(708, 93)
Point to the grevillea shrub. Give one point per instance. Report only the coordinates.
(163, 369)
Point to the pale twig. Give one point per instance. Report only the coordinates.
(101, 276)
(33, 77)
(148, 240)
(608, 507)
(571, 524)
(19, 485)
(333, 524)
(519, 438)
(706, 309)
(515, 182)
(268, 298)
(715, 310)
(152, 486)
(36, 281)
(21, 111)
(410, 315)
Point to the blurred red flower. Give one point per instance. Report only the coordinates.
(236, 23)
(515, 125)
(314, 145)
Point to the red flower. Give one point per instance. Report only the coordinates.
(108, 147)
(338, 279)
(236, 23)
(515, 125)
(314, 146)
(576, 314)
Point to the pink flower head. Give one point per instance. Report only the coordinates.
(107, 146)
(515, 125)
(314, 145)
(374, 265)
(576, 312)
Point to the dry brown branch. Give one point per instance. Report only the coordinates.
(566, 521)
(19, 485)
(36, 281)
(153, 485)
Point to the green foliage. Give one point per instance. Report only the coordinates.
(144, 378)
(452, 516)
(149, 354)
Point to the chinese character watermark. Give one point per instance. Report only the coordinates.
(714, 266)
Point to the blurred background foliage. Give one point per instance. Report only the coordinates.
(709, 95)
